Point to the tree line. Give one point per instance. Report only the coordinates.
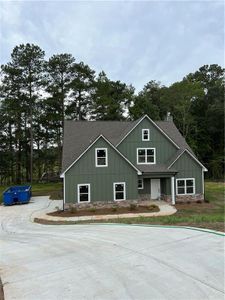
(38, 94)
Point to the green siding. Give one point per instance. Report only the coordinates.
(147, 187)
(164, 148)
(166, 186)
(189, 168)
(101, 179)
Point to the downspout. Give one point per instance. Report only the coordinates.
(203, 184)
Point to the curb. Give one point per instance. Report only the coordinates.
(50, 222)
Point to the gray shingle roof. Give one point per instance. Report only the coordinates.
(158, 168)
(171, 130)
(78, 135)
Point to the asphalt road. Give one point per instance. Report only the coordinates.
(45, 262)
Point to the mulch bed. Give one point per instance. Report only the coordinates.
(105, 211)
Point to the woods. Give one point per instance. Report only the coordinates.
(38, 94)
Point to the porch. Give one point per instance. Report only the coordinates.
(157, 187)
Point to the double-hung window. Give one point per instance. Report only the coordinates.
(145, 156)
(101, 157)
(119, 191)
(185, 186)
(83, 192)
(145, 135)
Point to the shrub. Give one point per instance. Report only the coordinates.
(92, 209)
(133, 206)
(72, 209)
(152, 207)
(114, 208)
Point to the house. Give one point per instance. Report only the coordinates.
(107, 161)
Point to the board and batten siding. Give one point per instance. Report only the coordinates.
(164, 148)
(147, 187)
(101, 179)
(188, 168)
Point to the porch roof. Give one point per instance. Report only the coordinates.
(160, 168)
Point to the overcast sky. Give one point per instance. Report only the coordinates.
(134, 42)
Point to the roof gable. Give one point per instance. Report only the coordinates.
(154, 124)
(180, 153)
(78, 135)
(91, 145)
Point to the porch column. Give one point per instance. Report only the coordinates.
(172, 191)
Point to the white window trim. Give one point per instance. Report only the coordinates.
(144, 140)
(142, 184)
(185, 187)
(78, 192)
(147, 163)
(96, 158)
(114, 191)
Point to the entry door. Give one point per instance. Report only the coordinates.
(155, 188)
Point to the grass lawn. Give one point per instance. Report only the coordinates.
(206, 215)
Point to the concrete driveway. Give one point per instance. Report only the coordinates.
(47, 262)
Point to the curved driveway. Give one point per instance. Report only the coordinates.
(45, 262)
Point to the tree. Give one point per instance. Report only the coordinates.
(208, 113)
(81, 89)
(111, 99)
(12, 108)
(179, 99)
(29, 59)
(147, 101)
(59, 72)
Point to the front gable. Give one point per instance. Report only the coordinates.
(164, 146)
(86, 163)
(188, 167)
(100, 179)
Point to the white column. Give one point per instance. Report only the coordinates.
(64, 192)
(172, 190)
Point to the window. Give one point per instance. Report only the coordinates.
(145, 156)
(83, 192)
(101, 157)
(140, 184)
(185, 186)
(145, 135)
(119, 191)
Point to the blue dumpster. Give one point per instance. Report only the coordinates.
(17, 194)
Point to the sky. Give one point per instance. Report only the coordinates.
(132, 41)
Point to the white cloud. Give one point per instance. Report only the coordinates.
(132, 41)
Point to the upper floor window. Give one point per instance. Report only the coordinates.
(101, 157)
(185, 186)
(145, 135)
(145, 156)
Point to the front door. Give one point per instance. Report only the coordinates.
(155, 189)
